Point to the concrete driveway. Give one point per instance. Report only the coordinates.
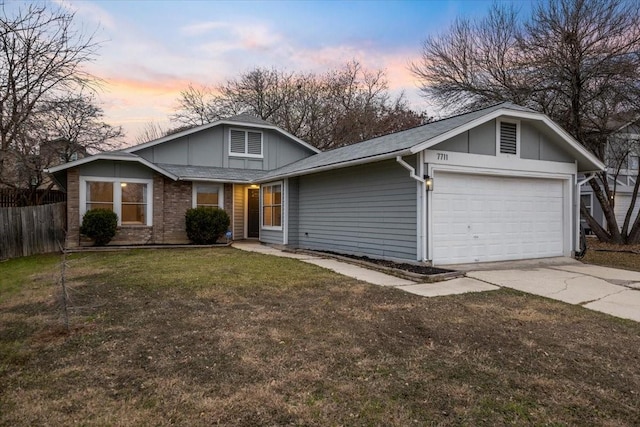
(609, 290)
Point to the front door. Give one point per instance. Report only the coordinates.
(253, 213)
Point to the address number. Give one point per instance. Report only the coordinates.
(442, 156)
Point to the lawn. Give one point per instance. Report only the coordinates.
(611, 255)
(223, 337)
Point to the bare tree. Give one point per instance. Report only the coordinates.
(329, 110)
(41, 58)
(149, 132)
(575, 60)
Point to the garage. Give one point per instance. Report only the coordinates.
(483, 218)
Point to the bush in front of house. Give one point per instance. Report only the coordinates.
(99, 225)
(206, 225)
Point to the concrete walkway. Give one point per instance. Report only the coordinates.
(608, 290)
(450, 287)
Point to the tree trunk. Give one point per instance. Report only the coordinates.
(613, 235)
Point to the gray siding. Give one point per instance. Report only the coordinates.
(538, 145)
(535, 144)
(210, 147)
(115, 169)
(364, 210)
(271, 236)
(293, 211)
(479, 140)
(239, 194)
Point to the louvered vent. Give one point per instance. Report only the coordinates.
(237, 141)
(254, 143)
(508, 138)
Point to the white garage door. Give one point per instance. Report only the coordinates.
(480, 218)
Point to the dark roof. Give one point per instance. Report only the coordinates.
(190, 173)
(388, 144)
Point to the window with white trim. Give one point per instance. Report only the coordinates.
(207, 195)
(245, 143)
(128, 198)
(272, 205)
(587, 201)
(508, 137)
(634, 162)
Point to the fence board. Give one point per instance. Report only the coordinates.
(31, 230)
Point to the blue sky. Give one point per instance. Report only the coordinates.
(153, 49)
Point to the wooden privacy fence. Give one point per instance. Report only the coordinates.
(31, 230)
(10, 197)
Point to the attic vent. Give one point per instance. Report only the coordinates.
(254, 143)
(508, 138)
(237, 141)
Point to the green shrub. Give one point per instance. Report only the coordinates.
(206, 225)
(100, 225)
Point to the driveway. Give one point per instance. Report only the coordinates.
(609, 290)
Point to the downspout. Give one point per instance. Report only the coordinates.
(419, 195)
(412, 171)
(582, 250)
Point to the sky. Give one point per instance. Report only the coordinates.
(151, 50)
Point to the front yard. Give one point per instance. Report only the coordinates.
(219, 336)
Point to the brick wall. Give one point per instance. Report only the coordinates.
(177, 199)
(73, 208)
(171, 199)
(158, 209)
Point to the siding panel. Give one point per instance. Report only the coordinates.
(239, 192)
(364, 210)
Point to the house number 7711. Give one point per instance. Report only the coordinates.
(442, 156)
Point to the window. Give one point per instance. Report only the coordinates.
(633, 162)
(587, 200)
(245, 143)
(128, 198)
(134, 203)
(207, 195)
(99, 195)
(508, 137)
(272, 205)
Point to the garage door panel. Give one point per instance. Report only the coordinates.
(489, 218)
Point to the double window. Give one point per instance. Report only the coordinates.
(272, 205)
(128, 198)
(207, 195)
(245, 143)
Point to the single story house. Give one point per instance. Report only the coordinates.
(494, 184)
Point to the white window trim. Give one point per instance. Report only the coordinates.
(246, 142)
(117, 197)
(512, 121)
(271, 227)
(590, 202)
(637, 157)
(194, 189)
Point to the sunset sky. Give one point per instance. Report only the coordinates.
(153, 49)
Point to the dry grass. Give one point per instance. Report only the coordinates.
(222, 337)
(610, 255)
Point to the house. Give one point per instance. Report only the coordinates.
(494, 184)
(623, 152)
(150, 186)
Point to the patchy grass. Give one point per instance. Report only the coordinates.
(16, 273)
(223, 337)
(610, 255)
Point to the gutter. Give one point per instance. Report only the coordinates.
(337, 165)
(412, 171)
